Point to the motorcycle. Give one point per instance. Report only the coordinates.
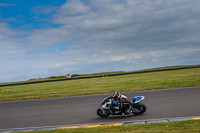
(106, 107)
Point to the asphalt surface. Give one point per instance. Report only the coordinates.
(169, 103)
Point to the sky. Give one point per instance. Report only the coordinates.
(42, 38)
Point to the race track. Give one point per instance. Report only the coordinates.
(82, 109)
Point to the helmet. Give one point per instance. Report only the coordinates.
(116, 95)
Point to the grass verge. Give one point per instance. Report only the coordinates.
(102, 74)
(190, 126)
(123, 83)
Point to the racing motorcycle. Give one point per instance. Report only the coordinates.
(106, 107)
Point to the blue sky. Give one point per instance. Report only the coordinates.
(28, 14)
(41, 38)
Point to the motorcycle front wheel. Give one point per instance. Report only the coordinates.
(102, 114)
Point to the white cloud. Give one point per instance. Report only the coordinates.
(104, 35)
(73, 7)
(8, 43)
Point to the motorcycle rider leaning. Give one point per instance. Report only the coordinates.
(124, 102)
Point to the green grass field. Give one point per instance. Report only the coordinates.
(102, 85)
(191, 126)
(101, 74)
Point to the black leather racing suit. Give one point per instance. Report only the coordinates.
(124, 103)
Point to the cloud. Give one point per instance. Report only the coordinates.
(103, 35)
(132, 23)
(8, 41)
(73, 7)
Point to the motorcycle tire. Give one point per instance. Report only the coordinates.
(100, 113)
(140, 107)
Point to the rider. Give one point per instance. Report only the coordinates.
(123, 100)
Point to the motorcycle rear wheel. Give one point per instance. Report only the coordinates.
(140, 107)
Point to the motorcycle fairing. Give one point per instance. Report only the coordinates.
(137, 99)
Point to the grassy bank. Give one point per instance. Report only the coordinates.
(123, 83)
(102, 74)
(191, 126)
